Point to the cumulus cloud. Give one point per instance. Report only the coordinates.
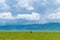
(25, 4)
(29, 4)
(33, 16)
(57, 1)
(54, 15)
(3, 6)
(8, 15)
(2, 1)
(43, 11)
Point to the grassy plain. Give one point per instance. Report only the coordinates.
(29, 36)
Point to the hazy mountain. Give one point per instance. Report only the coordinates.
(49, 26)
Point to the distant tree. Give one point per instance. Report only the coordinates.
(30, 31)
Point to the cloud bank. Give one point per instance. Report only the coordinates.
(9, 16)
(29, 11)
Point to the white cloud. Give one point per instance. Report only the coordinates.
(28, 3)
(2, 1)
(9, 16)
(3, 6)
(57, 1)
(29, 8)
(6, 15)
(33, 16)
(54, 15)
(25, 4)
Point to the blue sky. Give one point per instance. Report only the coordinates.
(29, 11)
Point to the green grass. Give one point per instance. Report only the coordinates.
(29, 36)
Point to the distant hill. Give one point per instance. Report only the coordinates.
(48, 26)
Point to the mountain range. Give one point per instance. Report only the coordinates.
(48, 26)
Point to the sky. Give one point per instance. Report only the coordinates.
(23, 12)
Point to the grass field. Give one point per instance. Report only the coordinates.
(29, 36)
